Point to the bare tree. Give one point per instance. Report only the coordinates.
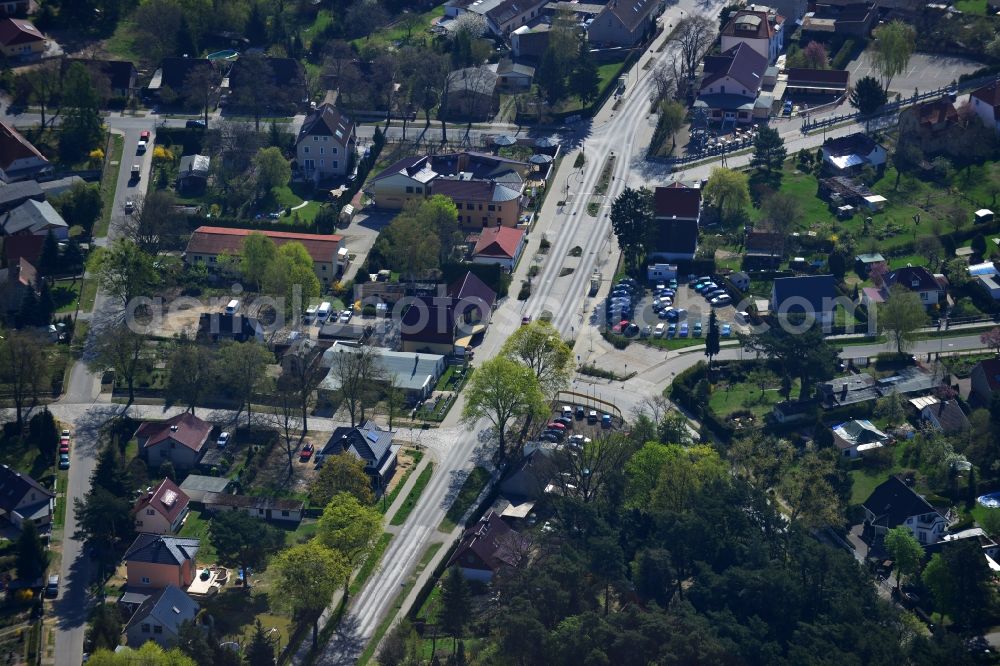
(201, 88)
(694, 35)
(666, 80)
(356, 372)
(283, 419)
(153, 225)
(302, 377)
(585, 471)
(24, 367)
(44, 87)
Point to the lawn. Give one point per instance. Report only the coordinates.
(109, 181)
(395, 35)
(971, 7)
(742, 396)
(864, 482)
(196, 526)
(471, 488)
(608, 74)
(411, 500)
(285, 197)
(387, 501)
(66, 295)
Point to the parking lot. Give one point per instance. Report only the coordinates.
(657, 314)
(924, 71)
(579, 425)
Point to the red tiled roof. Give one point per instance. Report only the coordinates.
(13, 147)
(990, 94)
(673, 202)
(19, 31)
(26, 273)
(169, 500)
(499, 242)
(214, 240)
(186, 429)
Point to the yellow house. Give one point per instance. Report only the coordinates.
(21, 39)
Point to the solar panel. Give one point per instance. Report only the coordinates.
(372, 436)
(169, 498)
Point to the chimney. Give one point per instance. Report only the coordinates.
(173, 428)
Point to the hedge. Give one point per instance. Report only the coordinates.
(843, 55)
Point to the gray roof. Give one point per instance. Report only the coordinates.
(197, 486)
(740, 62)
(31, 216)
(815, 290)
(510, 67)
(473, 79)
(368, 442)
(161, 549)
(14, 486)
(411, 371)
(194, 166)
(55, 187)
(168, 607)
(15, 193)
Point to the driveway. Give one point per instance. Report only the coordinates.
(925, 71)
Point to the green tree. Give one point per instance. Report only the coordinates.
(341, 473)
(727, 191)
(273, 170)
(668, 476)
(837, 264)
(308, 574)
(712, 345)
(654, 576)
(408, 246)
(191, 372)
(150, 654)
(539, 346)
(105, 631)
(48, 262)
(607, 563)
(104, 519)
(906, 157)
(901, 316)
(782, 211)
(256, 256)
(768, 150)
(350, 528)
(440, 214)
(551, 76)
(44, 83)
(584, 81)
(672, 116)
(808, 491)
(291, 276)
(456, 604)
(805, 355)
(245, 365)
(124, 271)
(185, 46)
(631, 221)
(502, 391)
(242, 541)
(892, 47)
(867, 96)
(82, 205)
(32, 557)
(260, 651)
(81, 129)
(905, 551)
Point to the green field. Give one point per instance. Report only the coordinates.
(742, 396)
(971, 7)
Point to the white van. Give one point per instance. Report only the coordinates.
(310, 314)
(233, 306)
(658, 331)
(323, 312)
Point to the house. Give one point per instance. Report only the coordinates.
(793, 411)
(763, 250)
(34, 217)
(946, 416)
(155, 561)
(21, 40)
(760, 30)
(121, 75)
(513, 77)
(862, 387)
(740, 280)
(371, 444)
(792, 10)
(730, 84)
(487, 547)
(217, 326)
(503, 17)
(990, 284)
(330, 257)
(14, 7)
(986, 103)
(22, 498)
(852, 152)
(170, 80)
(856, 437)
(412, 373)
(15, 281)
(481, 203)
(676, 212)
(22, 246)
(446, 324)
(624, 23)
(920, 281)
(179, 440)
(271, 509)
(471, 93)
(302, 354)
(197, 486)
(499, 245)
(804, 297)
(159, 618)
(985, 379)
(19, 160)
(15, 194)
(531, 40)
(334, 329)
(933, 125)
(991, 551)
(805, 81)
(657, 273)
(161, 511)
(327, 144)
(192, 174)
(529, 476)
(53, 188)
(893, 504)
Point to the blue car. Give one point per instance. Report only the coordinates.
(726, 330)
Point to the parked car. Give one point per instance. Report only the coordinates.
(345, 316)
(555, 434)
(671, 330)
(195, 124)
(63, 461)
(659, 330)
(715, 293)
(581, 413)
(697, 329)
(632, 329)
(683, 330)
(647, 330)
(665, 313)
(548, 437)
(726, 330)
(786, 110)
(129, 206)
(720, 301)
(64, 447)
(223, 440)
(306, 452)
(52, 589)
(525, 320)
(605, 421)
(592, 416)
(564, 421)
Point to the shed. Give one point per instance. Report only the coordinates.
(875, 202)
(198, 486)
(984, 215)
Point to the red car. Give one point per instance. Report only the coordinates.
(620, 326)
(552, 425)
(306, 452)
(144, 135)
(64, 447)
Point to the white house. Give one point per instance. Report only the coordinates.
(161, 511)
(762, 31)
(986, 104)
(920, 281)
(893, 503)
(326, 144)
(854, 151)
(730, 84)
(22, 498)
(19, 160)
(499, 245)
(857, 437)
(623, 22)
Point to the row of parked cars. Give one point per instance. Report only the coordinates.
(713, 293)
(556, 430)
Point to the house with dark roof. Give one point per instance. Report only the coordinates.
(850, 153)
(19, 160)
(159, 618)
(499, 245)
(197, 486)
(192, 174)
(506, 15)
(529, 476)
(946, 416)
(760, 30)
(15, 194)
(893, 504)
(22, 246)
(21, 40)
(932, 125)
(985, 379)
(161, 510)
(730, 84)
(624, 22)
(806, 81)
(220, 326)
(763, 249)
(804, 297)
(471, 93)
(481, 203)
(15, 281)
(676, 212)
(271, 509)
(446, 324)
(986, 103)
(371, 444)
(121, 75)
(920, 281)
(326, 146)
(179, 440)
(154, 561)
(34, 217)
(22, 498)
(857, 437)
(488, 547)
(173, 74)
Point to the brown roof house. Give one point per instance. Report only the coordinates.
(19, 160)
(986, 103)
(15, 281)
(932, 125)
(731, 83)
(499, 245)
(624, 22)
(179, 440)
(161, 510)
(764, 249)
(488, 547)
(445, 324)
(326, 145)
(919, 280)
(21, 40)
(761, 31)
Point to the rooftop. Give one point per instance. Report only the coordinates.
(186, 429)
(214, 240)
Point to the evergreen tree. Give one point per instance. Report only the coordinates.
(585, 80)
(105, 628)
(712, 346)
(28, 313)
(46, 306)
(186, 45)
(48, 263)
(256, 28)
(456, 604)
(260, 651)
(82, 125)
(32, 558)
(551, 77)
(971, 489)
(110, 474)
(768, 150)
(72, 258)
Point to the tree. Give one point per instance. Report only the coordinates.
(667, 477)
(256, 256)
(124, 350)
(124, 271)
(807, 490)
(502, 391)
(906, 157)
(654, 576)
(768, 150)
(585, 81)
(551, 76)
(254, 82)
(805, 355)
(438, 213)
(631, 221)
(191, 372)
(260, 651)
(341, 473)
(991, 339)
(355, 373)
(760, 460)
(712, 346)
(539, 347)
(905, 551)
(782, 211)
(105, 632)
(245, 365)
(154, 223)
(694, 35)
(837, 264)
(350, 528)
(291, 276)
(672, 116)
(272, 168)
(958, 580)
(24, 368)
(81, 129)
(815, 56)
(242, 541)
(82, 204)
(867, 96)
(309, 574)
(901, 316)
(48, 262)
(104, 519)
(728, 192)
(456, 604)
(44, 84)
(409, 247)
(892, 47)
(150, 654)
(32, 558)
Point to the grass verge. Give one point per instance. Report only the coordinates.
(417, 456)
(473, 485)
(374, 557)
(109, 181)
(411, 500)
